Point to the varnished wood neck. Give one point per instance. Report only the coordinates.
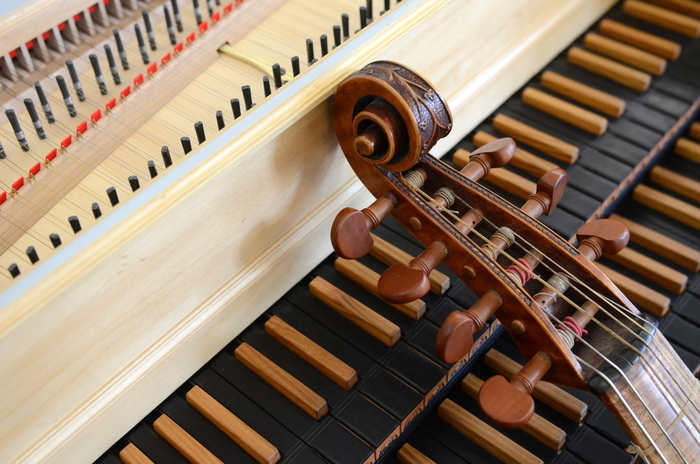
(671, 393)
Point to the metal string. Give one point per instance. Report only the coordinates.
(451, 213)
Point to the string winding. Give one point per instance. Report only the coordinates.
(569, 329)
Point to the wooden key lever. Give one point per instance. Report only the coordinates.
(509, 404)
(350, 233)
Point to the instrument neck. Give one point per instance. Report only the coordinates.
(658, 404)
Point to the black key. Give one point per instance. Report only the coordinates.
(392, 395)
(368, 421)
(605, 165)
(681, 332)
(647, 117)
(422, 339)
(108, 458)
(433, 449)
(622, 144)
(688, 306)
(592, 448)
(592, 184)
(336, 444)
(303, 455)
(602, 421)
(682, 91)
(562, 223)
(577, 202)
(691, 361)
(414, 369)
(666, 104)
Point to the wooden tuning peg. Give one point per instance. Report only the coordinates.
(550, 189)
(510, 405)
(401, 284)
(602, 236)
(350, 231)
(494, 154)
(456, 336)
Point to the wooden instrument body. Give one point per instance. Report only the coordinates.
(118, 319)
(419, 118)
(653, 395)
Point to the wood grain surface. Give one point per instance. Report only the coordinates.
(241, 433)
(282, 381)
(299, 344)
(550, 394)
(368, 320)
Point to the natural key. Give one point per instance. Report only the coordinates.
(368, 320)
(248, 439)
(641, 295)
(640, 39)
(183, 442)
(662, 245)
(484, 435)
(130, 454)
(282, 381)
(299, 344)
(589, 96)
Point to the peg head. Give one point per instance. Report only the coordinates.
(495, 154)
(553, 184)
(456, 337)
(350, 235)
(504, 404)
(602, 236)
(500, 152)
(401, 284)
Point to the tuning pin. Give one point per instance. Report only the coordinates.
(402, 284)
(602, 236)
(494, 154)
(350, 231)
(550, 189)
(510, 405)
(456, 336)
